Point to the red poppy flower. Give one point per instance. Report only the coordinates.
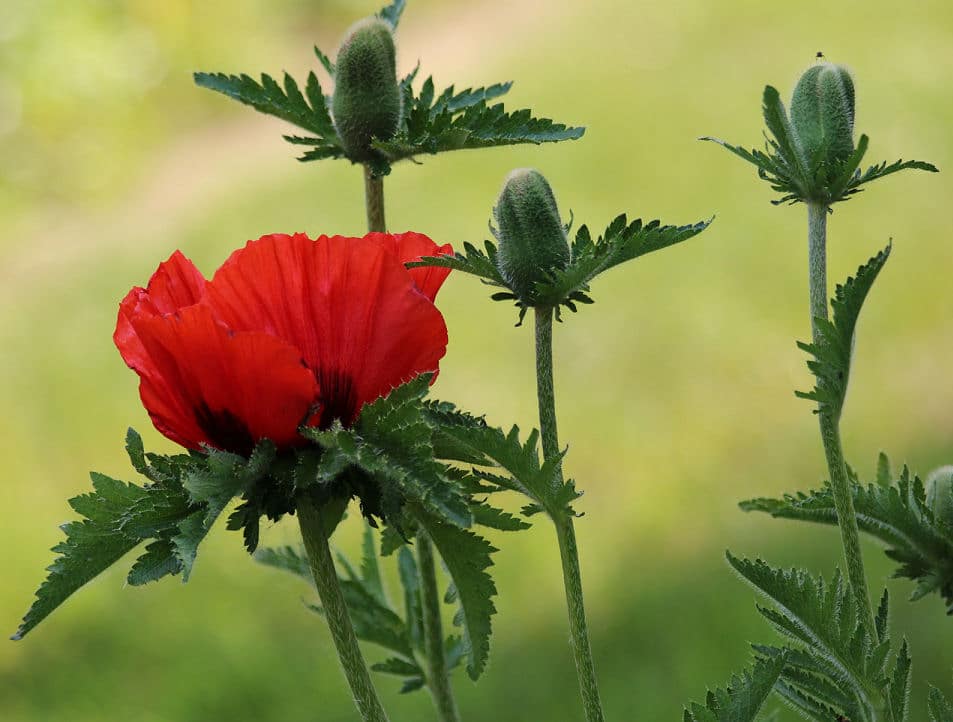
(288, 331)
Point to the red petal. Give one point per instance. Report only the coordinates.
(209, 385)
(412, 246)
(347, 304)
(177, 283)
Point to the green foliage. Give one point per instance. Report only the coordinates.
(467, 557)
(896, 513)
(809, 177)
(308, 111)
(744, 696)
(426, 123)
(452, 120)
(391, 13)
(391, 443)
(286, 558)
(489, 447)
(833, 350)
(376, 620)
(175, 510)
(940, 709)
(834, 666)
(622, 241)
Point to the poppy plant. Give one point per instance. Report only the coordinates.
(289, 331)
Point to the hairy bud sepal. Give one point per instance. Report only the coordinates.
(367, 101)
(532, 238)
(939, 486)
(822, 115)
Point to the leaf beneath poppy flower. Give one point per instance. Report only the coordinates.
(118, 516)
(391, 442)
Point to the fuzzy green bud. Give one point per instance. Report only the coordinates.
(939, 486)
(367, 101)
(822, 113)
(531, 235)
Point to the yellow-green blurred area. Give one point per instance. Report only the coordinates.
(674, 390)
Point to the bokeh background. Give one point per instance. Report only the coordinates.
(675, 389)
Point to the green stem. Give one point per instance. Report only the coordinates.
(374, 201)
(315, 538)
(438, 677)
(565, 532)
(830, 423)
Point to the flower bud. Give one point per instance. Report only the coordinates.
(531, 235)
(822, 112)
(940, 493)
(367, 101)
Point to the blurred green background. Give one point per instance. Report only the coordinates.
(675, 389)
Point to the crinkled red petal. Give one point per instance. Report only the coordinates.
(210, 385)
(413, 246)
(176, 284)
(347, 304)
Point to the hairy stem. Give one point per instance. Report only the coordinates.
(374, 201)
(325, 576)
(830, 423)
(572, 579)
(438, 677)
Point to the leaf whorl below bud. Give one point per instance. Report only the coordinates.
(532, 239)
(367, 102)
(822, 113)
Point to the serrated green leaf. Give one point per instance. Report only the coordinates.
(940, 709)
(435, 123)
(467, 557)
(391, 442)
(91, 546)
(286, 558)
(413, 606)
(399, 667)
(370, 570)
(621, 242)
(899, 695)
(520, 459)
(391, 13)
(744, 696)
(490, 516)
(833, 643)
(897, 514)
(287, 103)
(831, 352)
(786, 167)
(373, 622)
(160, 559)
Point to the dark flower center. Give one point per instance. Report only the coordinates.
(225, 430)
(338, 399)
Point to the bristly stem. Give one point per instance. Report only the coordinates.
(830, 422)
(438, 677)
(374, 201)
(572, 579)
(315, 538)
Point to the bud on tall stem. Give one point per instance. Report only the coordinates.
(822, 113)
(367, 101)
(531, 235)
